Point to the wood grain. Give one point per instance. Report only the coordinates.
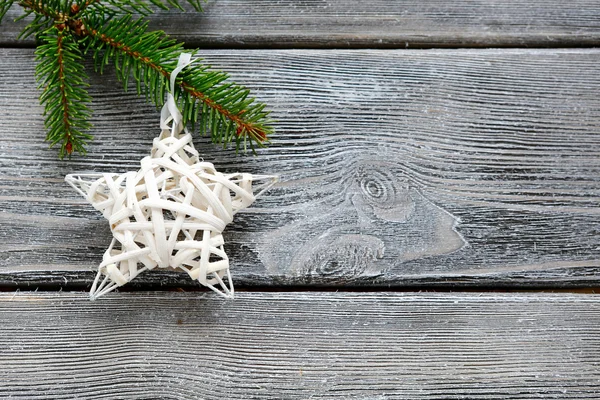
(375, 24)
(451, 168)
(299, 346)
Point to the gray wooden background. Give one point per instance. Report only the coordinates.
(424, 146)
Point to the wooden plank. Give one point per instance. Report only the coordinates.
(300, 346)
(376, 24)
(457, 168)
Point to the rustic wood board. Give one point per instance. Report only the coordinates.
(300, 346)
(455, 168)
(380, 24)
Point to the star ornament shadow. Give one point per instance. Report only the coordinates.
(169, 214)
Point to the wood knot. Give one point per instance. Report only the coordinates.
(386, 193)
(345, 257)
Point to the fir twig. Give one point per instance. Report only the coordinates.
(136, 6)
(107, 30)
(4, 6)
(220, 108)
(61, 74)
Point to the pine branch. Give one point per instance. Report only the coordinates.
(206, 99)
(45, 13)
(143, 7)
(60, 72)
(66, 27)
(4, 6)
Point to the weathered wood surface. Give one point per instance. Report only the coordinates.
(380, 23)
(399, 168)
(300, 346)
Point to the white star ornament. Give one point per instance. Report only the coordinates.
(171, 212)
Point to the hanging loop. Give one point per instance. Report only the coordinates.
(170, 111)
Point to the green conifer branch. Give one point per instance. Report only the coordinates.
(142, 7)
(220, 108)
(107, 30)
(4, 6)
(44, 12)
(61, 74)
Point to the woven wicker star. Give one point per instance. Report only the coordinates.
(170, 213)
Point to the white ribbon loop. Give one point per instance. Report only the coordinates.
(170, 111)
